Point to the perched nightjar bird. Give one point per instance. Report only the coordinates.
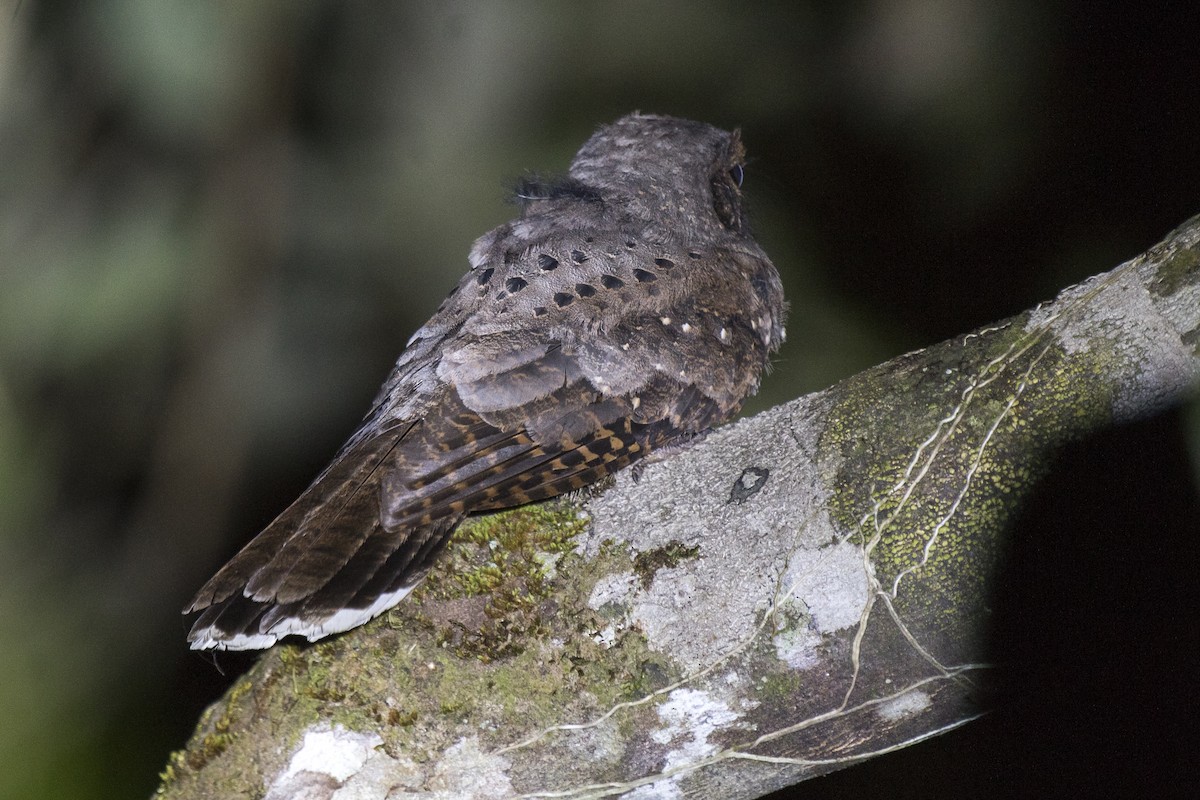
(626, 311)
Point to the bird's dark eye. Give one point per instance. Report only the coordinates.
(735, 172)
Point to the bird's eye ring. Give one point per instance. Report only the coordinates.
(735, 172)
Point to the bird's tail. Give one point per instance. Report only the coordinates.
(323, 566)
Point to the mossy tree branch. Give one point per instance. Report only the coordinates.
(803, 590)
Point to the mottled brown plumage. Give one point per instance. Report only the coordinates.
(627, 310)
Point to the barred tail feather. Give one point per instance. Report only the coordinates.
(240, 623)
(379, 575)
(368, 529)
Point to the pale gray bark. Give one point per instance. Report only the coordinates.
(805, 589)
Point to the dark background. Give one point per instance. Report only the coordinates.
(220, 222)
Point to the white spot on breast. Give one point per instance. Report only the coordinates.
(635, 401)
(665, 320)
(685, 327)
